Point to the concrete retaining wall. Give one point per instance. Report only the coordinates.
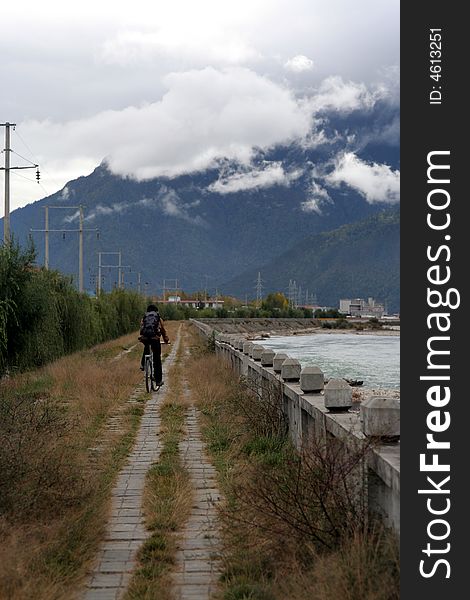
(307, 416)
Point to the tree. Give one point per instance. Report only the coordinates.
(331, 313)
(275, 300)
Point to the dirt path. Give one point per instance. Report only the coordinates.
(197, 559)
(126, 529)
(197, 563)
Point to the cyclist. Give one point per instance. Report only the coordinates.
(151, 328)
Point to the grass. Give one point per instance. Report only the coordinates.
(272, 517)
(167, 495)
(58, 463)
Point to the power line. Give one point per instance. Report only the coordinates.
(7, 168)
(26, 145)
(23, 177)
(26, 159)
(80, 231)
(33, 154)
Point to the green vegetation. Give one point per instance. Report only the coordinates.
(42, 316)
(331, 313)
(275, 301)
(269, 309)
(357, 260)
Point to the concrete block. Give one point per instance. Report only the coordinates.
(290, 370)
(380, 417)
(257, 351)
(241, 342)
(338, 395)
(311, 379)
(267, 357)
(246, 347)
(278, 359)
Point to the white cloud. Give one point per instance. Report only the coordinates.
(205, 115)
(167, 201)
(272, 174)
(335, 94)
(376, 182)
(65, 194)
(317, 196)
(130, 48)
(118, 63)
(172, 206)
(299, 63)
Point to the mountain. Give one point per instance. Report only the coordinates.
(356, 260)
(207, 228)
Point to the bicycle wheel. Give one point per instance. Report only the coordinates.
(154, 383)
(148, 374)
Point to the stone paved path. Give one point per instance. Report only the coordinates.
(197, 564)
(126, 530)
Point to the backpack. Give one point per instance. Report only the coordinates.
(151, 325)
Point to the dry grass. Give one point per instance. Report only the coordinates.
(269, 524)
(62, 463)
(366, 566)
(167, 495)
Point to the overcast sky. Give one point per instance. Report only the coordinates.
(164, 88)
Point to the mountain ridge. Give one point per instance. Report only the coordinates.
(360, 259)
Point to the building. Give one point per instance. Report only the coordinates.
(358, 307)
(209, 303)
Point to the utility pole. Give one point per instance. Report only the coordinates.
(6, 218)
(46, 239)
(259, 290)
(80, 231)
(120, 270)
(80, 250)
(7, 168)
(169, 285)
(138, 281)
(119, 267)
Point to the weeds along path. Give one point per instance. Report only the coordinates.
(126, 530)
(197, 567)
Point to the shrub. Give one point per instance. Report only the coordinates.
(35, 463)
(42, 316)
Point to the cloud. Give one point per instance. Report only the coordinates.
(205, 115)
(299, 63)
(172, 206)
(167, 201)
(118, 60)
(130, 48)
(272, 174)
(335, 94)
(376, 182)
(317, 196)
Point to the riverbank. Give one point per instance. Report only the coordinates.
(261, 328)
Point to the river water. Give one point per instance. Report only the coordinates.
(375, 359)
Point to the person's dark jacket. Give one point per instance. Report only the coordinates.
(162, 332)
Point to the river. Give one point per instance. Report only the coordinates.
(375, 359)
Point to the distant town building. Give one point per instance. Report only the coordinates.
(209, 303)
(358, 307)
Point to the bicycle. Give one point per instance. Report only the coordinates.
(150, 383)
